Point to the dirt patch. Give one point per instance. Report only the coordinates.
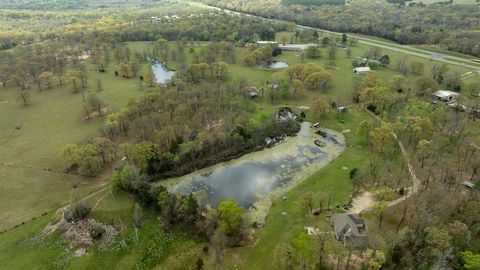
(95, 114)
(8, 163)
(80, 235)
(361, 203)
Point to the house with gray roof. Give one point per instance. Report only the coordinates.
(350, 229)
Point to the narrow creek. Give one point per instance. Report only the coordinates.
(256, 179)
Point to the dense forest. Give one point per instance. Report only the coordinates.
(313, 2)
(50, 5)
(138, 25)
(452, 27)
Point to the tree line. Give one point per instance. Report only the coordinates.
(449, 26)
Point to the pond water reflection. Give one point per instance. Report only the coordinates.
(275, 64)
(162, 74)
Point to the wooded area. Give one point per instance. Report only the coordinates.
(451, 27)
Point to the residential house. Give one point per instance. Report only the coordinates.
(350, 230)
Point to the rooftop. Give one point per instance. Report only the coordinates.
(445, 93)
(362, 69)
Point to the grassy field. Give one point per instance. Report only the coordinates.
(31, 176)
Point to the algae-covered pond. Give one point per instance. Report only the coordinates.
(255, 179)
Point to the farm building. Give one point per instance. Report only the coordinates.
(295, 47)
(361, 70)
(446, 95)
(261, 43)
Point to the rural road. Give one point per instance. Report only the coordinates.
(433, 56)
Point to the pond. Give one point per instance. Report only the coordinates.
(162, 74)
(257, 178)
(275, 64)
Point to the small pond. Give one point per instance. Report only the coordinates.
(162, 74)
(275, 64)
(255, 179)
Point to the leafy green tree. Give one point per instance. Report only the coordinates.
(426, 85)
(231, 218)
(95, 103)
(472, 261)
(318, 80)
(46, 78)
(437, 239)
(417, 67)
(283, 256)
(397, 83)
(370, 80)
(313, 52)
(120, 180)
(307, 201)
(379, 211)
(364, 128)
(77, 210)
(319, 108)
(384, 60)
(297, 88)
(381, 137)
(377, 259)
(25, 97)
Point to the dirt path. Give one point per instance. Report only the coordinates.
(361, 203)
(416, 183)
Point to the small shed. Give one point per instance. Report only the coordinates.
(361, 70)
(446, 95)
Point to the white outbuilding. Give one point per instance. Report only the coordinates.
(446, 95)
(361, 70)
(263, 43)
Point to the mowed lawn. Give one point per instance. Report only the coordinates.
(31, 174)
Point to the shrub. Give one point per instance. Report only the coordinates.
(78, 210)
(96, 232)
